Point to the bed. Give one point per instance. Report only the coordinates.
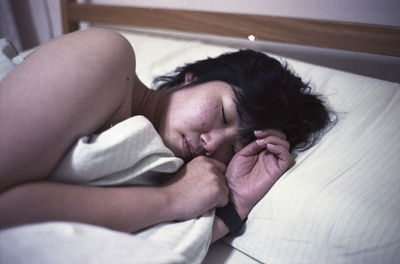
(339, 203)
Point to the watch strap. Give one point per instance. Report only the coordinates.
(230, 217)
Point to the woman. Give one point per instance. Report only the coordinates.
(84, 82)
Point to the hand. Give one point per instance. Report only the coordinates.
(199, 186)
(255, 168)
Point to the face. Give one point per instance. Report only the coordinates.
(201, 120)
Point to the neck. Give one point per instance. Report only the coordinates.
(150, 103)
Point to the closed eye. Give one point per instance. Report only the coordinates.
(226, 122)
(223, 116)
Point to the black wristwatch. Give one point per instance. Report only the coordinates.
(230, 217)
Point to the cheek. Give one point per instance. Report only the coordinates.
(201, 116)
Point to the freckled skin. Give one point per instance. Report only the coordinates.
(195, 113)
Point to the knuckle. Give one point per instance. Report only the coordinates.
(196, 159)
(218, 187)
(213, 192)
(209, 166)
(202, 159)
(214, 180)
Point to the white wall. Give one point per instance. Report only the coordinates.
(384, 12)
(28, 23)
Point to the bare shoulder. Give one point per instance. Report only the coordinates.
(67, 88)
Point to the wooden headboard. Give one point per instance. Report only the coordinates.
(377, 39)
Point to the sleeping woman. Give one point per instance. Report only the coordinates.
(233, 119)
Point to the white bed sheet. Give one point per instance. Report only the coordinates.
(340, 203)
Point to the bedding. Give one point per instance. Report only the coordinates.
(132, 153)
(129, 153)
(9, 57)
(339, 203)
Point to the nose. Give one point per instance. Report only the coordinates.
(211, 141)
(217, 144)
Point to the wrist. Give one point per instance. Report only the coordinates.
(230, 217)
(171, 207)
(241, 209)
(219, 229)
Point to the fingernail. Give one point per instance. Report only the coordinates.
(260, 141)
(256, 132)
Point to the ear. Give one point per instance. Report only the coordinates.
(188, 78)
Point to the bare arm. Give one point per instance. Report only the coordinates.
(195, 189)
(120, 208)
(67, 88)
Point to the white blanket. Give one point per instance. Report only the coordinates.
(129, 153)
(132, 153)
(9, 57)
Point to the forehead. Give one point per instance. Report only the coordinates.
(215, 87)
(216, 91)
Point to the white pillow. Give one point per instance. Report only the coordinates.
(9, 57)
(7, 53)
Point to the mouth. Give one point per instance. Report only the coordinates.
(188, 154)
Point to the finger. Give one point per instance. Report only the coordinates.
(269, 132)
(219, 165)
(282, 154)
(273, 140)
(251, 149)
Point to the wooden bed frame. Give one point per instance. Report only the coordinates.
(376, 39)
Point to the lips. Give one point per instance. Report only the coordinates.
(186, 149)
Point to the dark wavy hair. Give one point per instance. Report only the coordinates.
(268, 95)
